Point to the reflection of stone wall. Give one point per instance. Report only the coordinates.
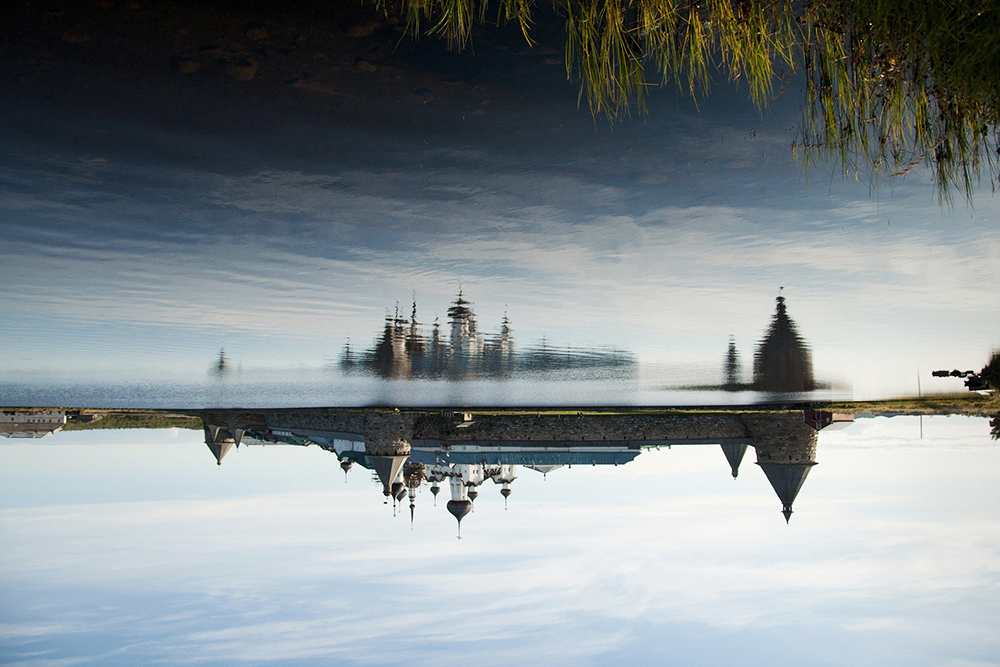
(782, 437)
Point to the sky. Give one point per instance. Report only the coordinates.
(121, 544)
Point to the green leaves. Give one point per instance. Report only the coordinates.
(890, 84)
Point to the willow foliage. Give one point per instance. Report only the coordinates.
(891, 84)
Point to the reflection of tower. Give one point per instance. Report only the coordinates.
(732, 371)
(465, 344)
(734, 454)
(345, 465)
(505, 345)
(782, 362)
(414, 342)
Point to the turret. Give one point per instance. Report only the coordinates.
(786, 452)
(734, 454)
(220, 439)
(505, 492)
(458, 509)
(459, 505)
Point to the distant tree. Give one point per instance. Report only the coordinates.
(991, 372)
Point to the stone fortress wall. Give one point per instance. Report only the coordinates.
(778, 436)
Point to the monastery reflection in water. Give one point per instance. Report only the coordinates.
(404, 351)
(782, 361)
(408, 451)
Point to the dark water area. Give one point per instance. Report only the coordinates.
(159, 206)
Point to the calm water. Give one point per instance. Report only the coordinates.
(150, 219)
(134, 546)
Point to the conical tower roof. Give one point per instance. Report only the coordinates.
(387, 468)
(734, 454)
(219, 450)
(786, 479)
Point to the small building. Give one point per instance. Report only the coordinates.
(31, 423)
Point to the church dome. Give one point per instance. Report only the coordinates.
(459, 508)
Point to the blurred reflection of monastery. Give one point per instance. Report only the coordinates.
(407, 452)
(403, 351)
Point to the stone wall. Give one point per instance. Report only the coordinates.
(782, 437)
(779, 437)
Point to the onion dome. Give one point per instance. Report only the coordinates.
(398, 490)
(458, 509)
(345, 464)
(473, 494)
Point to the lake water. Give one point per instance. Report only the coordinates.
(150, 219)
(134, 546)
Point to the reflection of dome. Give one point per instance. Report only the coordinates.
(458, 509)
(398, 490)
(505, 492)
(435, 489)
(473, 494)
(346, 463)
